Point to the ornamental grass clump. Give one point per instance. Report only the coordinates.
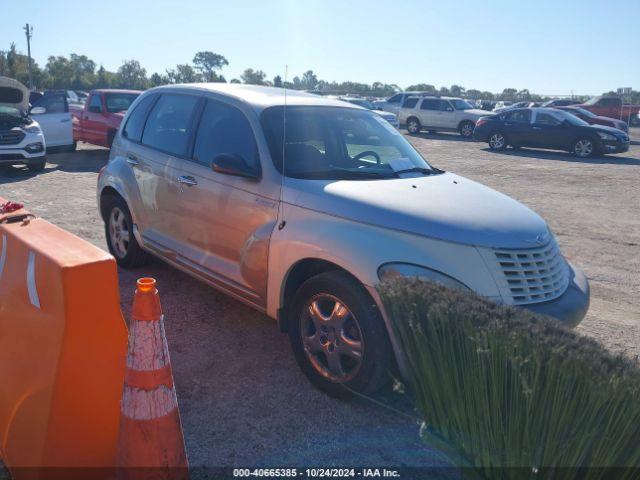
(508, 388)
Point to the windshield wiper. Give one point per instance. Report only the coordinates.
(426, 171)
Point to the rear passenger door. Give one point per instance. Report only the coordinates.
(226, 221)
(164, 144)
(518, 128)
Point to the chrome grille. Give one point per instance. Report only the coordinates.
(11, 137)
(531, 275)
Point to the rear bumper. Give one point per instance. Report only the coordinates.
(572, 306)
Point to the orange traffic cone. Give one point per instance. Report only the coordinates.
(151, 444)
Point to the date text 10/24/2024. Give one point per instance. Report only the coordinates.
(316, 473)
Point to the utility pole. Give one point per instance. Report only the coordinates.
(29, 32)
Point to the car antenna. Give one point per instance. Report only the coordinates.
(283, 222)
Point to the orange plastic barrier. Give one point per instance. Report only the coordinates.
(63, 343)
(151, 443)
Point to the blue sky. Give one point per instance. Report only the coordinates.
(550, 47)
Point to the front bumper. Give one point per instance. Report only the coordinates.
(571, 307)
(614, 147)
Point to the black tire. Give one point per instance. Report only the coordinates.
(466, 128)
(134, 255)
(37, 165)
(413, 125)
(376, 361)
(494, 143)
(584, 147)
(72, 147)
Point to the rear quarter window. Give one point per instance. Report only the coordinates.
(135, 124)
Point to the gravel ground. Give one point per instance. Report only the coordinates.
(243, 401)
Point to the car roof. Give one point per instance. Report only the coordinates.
(259, 97)
(115, 90)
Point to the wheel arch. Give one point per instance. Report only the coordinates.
(297, 274)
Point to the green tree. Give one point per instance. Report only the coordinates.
(158, 79)
(309, 80)
(208, 63)
(422, 87)
(132, 75)
(277, 81)
(457, 90)
(61, 72)
(235, 80)
(254, 77)
(183, 73)
(83, 72)
(509, 94)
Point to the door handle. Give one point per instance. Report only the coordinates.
(187, 180)
(132, 160)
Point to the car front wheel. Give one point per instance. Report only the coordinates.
(584, 148)
(338, 336)
(413, 125)
(497, 141)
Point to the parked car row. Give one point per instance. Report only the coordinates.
(550, 128)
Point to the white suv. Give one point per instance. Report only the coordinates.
(440, 113)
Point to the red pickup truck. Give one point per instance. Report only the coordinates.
(99, 119)
(612, 107)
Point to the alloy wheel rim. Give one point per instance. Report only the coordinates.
(332, 338)
(119, 232)
(467, 130)
(413, 126)
(583, 148)
(496, 140)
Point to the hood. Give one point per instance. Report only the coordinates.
(14, 94)
(478, 112)
(605, 128)
(446, 207)
(615, 121)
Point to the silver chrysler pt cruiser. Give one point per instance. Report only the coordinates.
(299, 206)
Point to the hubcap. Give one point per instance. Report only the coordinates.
(413, 126)
(332, 338)
(583, 148)
(496, 141)
(467, 130)
(119, 232)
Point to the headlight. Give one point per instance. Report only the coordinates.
(607, 136)
(32, 129)
(390, 271)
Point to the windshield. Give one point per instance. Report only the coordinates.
(120, 102)
(338, 143)
(572, 119)
(361, 102)
(584, 112)
(461, 104)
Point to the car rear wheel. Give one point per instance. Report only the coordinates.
(413, 125)
(584, 148)
(338, 336)
(466, 129)
(121, 241)
(497, 141)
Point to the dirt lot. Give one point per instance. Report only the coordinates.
(243, 401)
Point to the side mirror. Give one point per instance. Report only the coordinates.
(95, 109)
(231, 164)
(37, 111)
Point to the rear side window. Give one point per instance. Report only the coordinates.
(224, 129)
(135, 123)
(395, 99)
(518, 116)
(168, 127)
(410, 102)
(430, 104)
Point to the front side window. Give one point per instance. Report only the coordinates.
(337, 143)
(224, 129)
(169, 124)
(119, 102)
(430, 104)
(546, 119)
(410, 102)
(461, 105)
